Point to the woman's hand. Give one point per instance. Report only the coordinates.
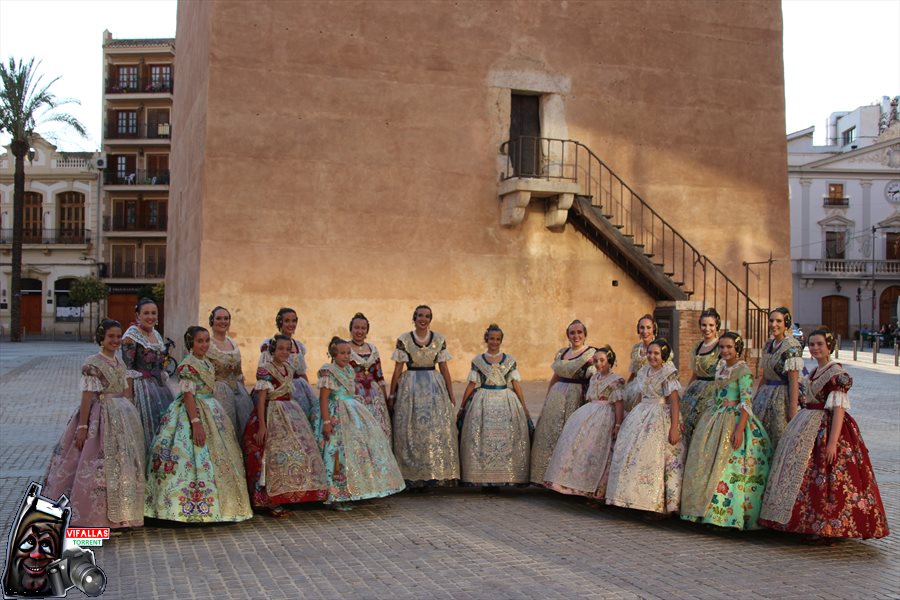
(80, 437)
(327, 429)
(261, 435)
(615, 431)
(197, 433)
(737, 438)
(674, 435)
(831, 452)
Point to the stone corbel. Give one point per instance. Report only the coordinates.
(558, 210)
(513, 207)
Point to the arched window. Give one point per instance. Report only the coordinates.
(71, 217)
(33, 223)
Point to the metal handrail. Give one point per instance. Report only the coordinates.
(665, 246)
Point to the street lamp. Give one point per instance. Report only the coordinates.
(747, 289)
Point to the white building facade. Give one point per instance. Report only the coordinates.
(60, 237)
(845, 221)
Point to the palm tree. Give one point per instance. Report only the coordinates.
(26, 104)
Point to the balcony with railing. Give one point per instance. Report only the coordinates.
(41, 236)
(847, 268)
(134, 270)
(835, 202)
(135, 131)
(139, 85)
(157, 177)
(121, 224)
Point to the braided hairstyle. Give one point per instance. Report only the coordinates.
(361, 317)
(788, 321)
(647, 317)
(272, 344)
(711, 312)
(142, 303)
(576, 322)
(610, 354)
(420, 307)
(664, 347)
(738, 341)
(104, 326)
(333, 346)
(212, 314)
(191, 333)
(279, 318)
(830, 340)
(490, 328)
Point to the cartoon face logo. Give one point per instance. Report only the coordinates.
(36, 546)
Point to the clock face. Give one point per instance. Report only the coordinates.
(892, 191)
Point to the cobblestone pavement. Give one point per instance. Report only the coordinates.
(460, 543)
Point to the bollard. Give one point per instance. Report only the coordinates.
(854, 350)
(875, 351)
(837, 348)
(896, 354)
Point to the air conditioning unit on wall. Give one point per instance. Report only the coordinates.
(100, 162)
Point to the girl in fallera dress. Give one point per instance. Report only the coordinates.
(426, 441)
(145, 353)
(358, 460)
(282, 457)
(195, 470)
(777, 397)
(99, 460)
(646, 330)
(648, 458)
(286, 322)
(366, 363)
(572, 370)
(583, 455)
(821, 483)
(704, 360)
(494, 440)
(729, 456)
(225, 356)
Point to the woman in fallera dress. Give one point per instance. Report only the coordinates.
(282, 457)
(286, 322)
(704, 360)
(648, 458)
(358, 460)
(572, 370)
(195, 470)
(145, 353)
(225, 356)
(494, 441)
(583, 455)
(777, 397)
(99, 460)
(821, 482)
(729, 456)
(425, 435)
(646, 330)
(366, 363)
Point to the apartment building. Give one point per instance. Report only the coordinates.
(139, 81)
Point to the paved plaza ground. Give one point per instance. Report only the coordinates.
(458, 543)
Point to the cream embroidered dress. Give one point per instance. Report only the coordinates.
(425, 435)
(191, 483)
(564, 398)
(633, 388)
(357, 455)
(699, 393)
(772, 396)
(230, 390)
(646, 469)
(724, 485)
(369, 379)
(583, 454)
(104, 481)
(494, 444)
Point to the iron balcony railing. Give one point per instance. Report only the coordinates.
(134, 270)
(666, 247)
(136, 177)
(138, 131)
(850, 268)
(140, 85)
(39, 235)
(835, 202)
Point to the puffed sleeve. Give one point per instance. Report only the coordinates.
(376, 369)
(671, 383)
(326, 379)
(90, 379)
(617, 391)
(264, 380)
(444, 354)
(745, 390)
(793, 357)
(474, 376)
(513, 374)
(188, 378)
(400, 355)
(840, 384)
(300, 360)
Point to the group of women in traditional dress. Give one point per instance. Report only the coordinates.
(212, 452)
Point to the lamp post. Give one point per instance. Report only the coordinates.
(874, 229)
(747, 289)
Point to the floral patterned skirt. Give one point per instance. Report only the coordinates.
(694, 403)
(646, 470)
(358, 458)
(152, 399)
(837, 500)
(770, 405)
(494, 441)
(104, 481)
(583, 454)
(287, 468)
(196, 484)
(723, 485)
(562, 401)
(236, 403)
(373, 397)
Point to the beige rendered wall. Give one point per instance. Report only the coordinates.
(350, 161)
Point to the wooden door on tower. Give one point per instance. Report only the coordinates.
(524, 134)
(836, 315)
(888, 305)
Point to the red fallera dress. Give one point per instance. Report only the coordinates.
(807, 494)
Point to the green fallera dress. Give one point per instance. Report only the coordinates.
(724, 485)
(699, 393)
